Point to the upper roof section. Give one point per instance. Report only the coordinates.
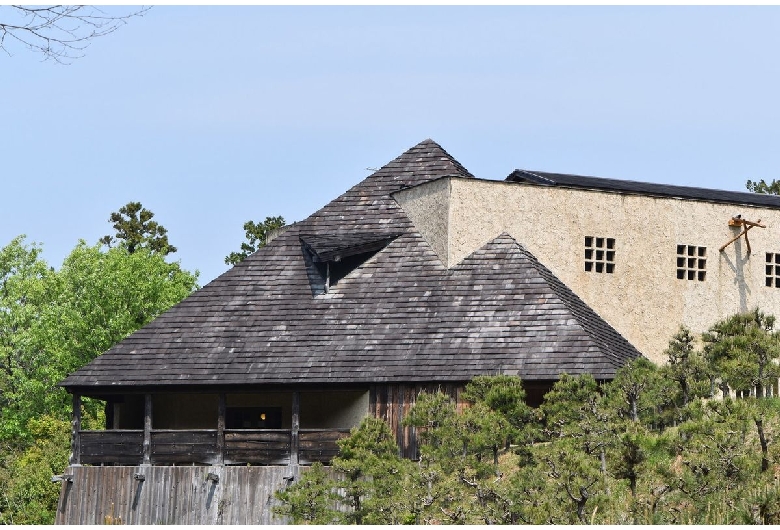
(643, 188)
(397, 314)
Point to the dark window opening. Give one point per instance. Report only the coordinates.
(253, 418)
(691, 262)
(600, 254)
(772, 269)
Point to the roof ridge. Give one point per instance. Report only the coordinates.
(637, 187)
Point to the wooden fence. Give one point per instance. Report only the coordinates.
(203, 447)
(173, 494)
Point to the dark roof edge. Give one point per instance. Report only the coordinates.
(631, 187)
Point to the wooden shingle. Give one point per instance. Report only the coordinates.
(400, 316)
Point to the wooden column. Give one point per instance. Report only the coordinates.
(75, 435)
(221, 430)
(147, 429)
(296, 425)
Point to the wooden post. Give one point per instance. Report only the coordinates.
(75, 436)
(296, 425)
(221, 430)
(147, 429)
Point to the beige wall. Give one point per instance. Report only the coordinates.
(642, 299)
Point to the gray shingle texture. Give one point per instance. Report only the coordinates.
(399, 316)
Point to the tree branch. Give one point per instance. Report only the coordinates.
(60, 33)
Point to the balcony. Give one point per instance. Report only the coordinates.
(207, 447)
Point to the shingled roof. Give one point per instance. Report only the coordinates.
(400, 315)
(542, 178)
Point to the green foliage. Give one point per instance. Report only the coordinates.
(773, 188)
(27, 495)
(51, 323)
(69, 317)
(637, 391)
(504, 395)
(136, 230)
(256, 237)
(744, 351)
(688, 368)
(373, 475)
(310, 500)
(372, 483)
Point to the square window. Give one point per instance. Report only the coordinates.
(596, 258)
(772, 269)
(691, 262)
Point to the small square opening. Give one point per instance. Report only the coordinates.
(596, 258)
(691, 262)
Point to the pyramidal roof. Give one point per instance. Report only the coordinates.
(397, 315)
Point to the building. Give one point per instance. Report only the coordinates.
(421, 276)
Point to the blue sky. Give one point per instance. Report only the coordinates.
(211, 116)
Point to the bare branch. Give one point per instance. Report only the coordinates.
(59, 33)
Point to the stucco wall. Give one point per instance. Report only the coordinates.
(642, 299)
(428, 207)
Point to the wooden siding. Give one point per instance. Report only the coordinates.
(120, 447)
(319, 445)
(184, 447)
(257, 447)
(392, 402)
(173, 494)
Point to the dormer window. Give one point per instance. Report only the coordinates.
(334, 256)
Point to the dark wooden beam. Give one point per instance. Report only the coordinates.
(75, 436)
(147, 429)
(221, 429)
(296, 425)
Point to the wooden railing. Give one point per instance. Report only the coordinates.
(202, 446)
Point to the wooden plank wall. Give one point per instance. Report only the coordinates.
(391, 403)
(173, 494)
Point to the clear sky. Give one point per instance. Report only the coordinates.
(213, 116)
